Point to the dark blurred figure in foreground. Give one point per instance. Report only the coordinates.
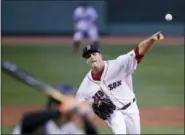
(54, 119)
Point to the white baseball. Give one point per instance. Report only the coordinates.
(168, 17)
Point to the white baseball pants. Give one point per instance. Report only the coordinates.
(92, 34)
(125, 121)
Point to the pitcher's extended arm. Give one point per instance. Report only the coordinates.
(146, 44)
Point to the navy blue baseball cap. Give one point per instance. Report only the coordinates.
(65, 89)
(90, 49)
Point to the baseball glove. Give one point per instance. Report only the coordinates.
(103, 108)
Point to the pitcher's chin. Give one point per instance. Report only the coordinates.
(94, 65)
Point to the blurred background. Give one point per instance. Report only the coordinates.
(38, 36)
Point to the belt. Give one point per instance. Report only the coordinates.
(127, 105)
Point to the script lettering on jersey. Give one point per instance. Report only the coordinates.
(114, 85)
(98, 95)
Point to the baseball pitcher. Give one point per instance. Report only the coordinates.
(85, 23)
(109, 83)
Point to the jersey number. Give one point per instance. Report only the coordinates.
(98, 95)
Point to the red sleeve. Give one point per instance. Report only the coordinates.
(138, 56)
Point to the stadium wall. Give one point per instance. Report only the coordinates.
(47, 17)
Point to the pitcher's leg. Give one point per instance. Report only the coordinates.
(117, 123)
(132, 122)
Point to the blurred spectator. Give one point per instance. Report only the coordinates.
(85, 24)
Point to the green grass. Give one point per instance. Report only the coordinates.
(6, 130)
(106, 130)
(150, 130)
(158, 81)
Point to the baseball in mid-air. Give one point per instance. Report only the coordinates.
(168, 17)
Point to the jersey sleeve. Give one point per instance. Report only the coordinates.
(93, 14)
(81, 94)
(76, 14)
(128, 62)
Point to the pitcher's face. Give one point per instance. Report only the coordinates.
(94, 59)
